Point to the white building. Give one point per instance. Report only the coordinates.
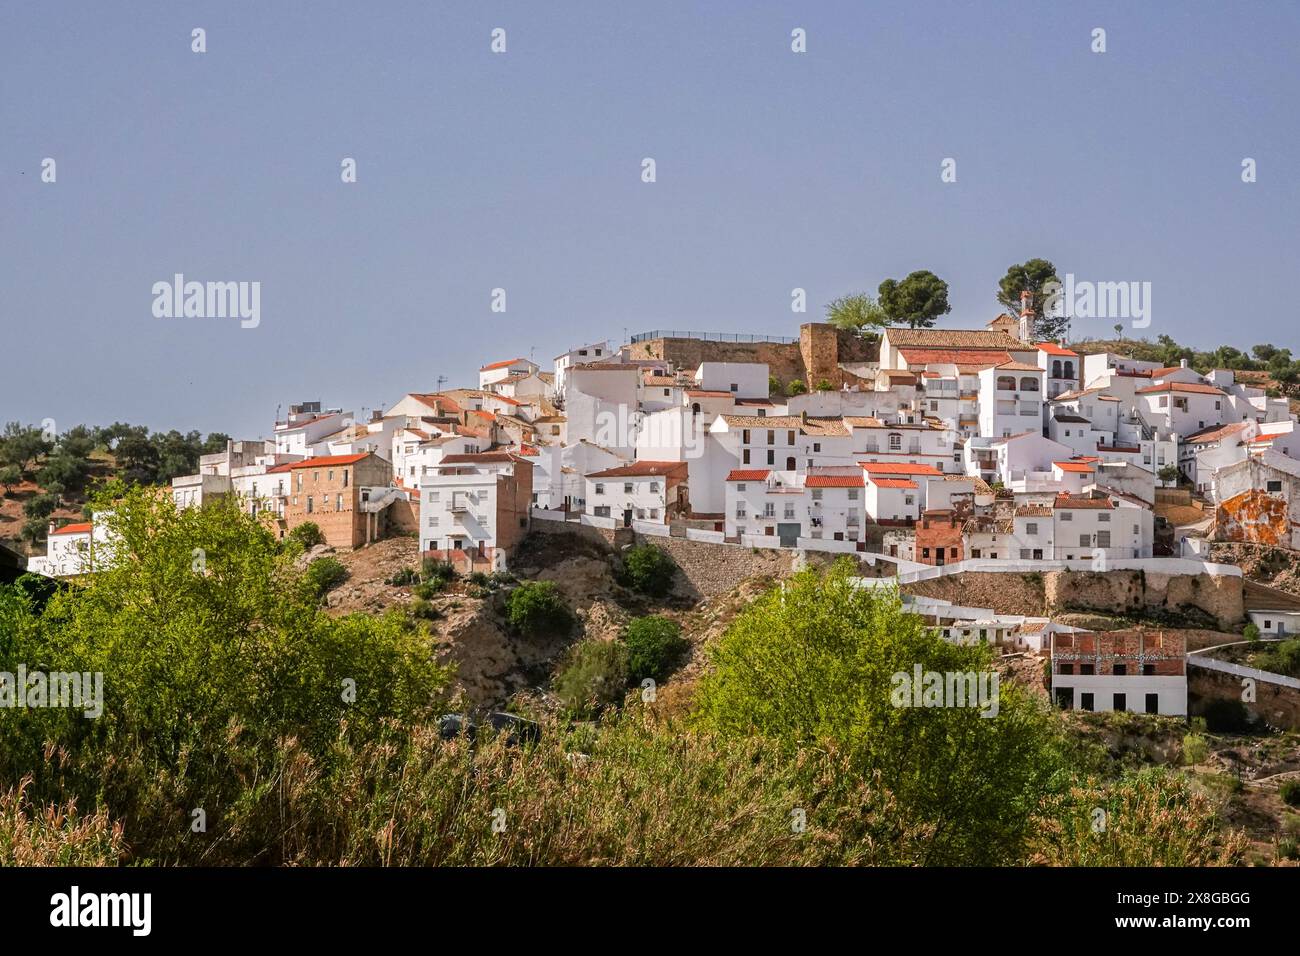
(640, 491)
(79, 548)
(1142, 673)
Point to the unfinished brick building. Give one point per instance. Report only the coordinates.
(1139, 671)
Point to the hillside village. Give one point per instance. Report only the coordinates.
(938, 458)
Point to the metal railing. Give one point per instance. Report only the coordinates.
(712, 336)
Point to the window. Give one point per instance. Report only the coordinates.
(338, 505)
(1273, 487)
(771, 457)
(1085, 702)
(769, 509)
(1153, 703)
(1148, 670)
(1031, 527)
(744, 436)
(1067, 515)
(817, 446)
(654, 487)
(744, 457)
(735, 387)
(771, 436)
(1119, 702)
(345, 477)
(789, 437)
(853, 494)
(1103, 539)
(600, 488)
(1120, 670)
(895, 441)
(1087, 670)
(817, 494)
(1085, 540)
(1104, 517)
(740, 509)
(627, 487)
(309, 505)
(909, 500)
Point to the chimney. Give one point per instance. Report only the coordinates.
(1182, 363)
(803, 417)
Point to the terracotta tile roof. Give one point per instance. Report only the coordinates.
(899, 468)
(505, 364)
(329, 461)
(981, 358)
(1033, 511)
(1078, 467)
(644, 469)
(1195, 388)
(1020, 367)
(833, 481)
(858, 421)
(1072, 419)
(893, 482)
(1051, 348)
(810, 426)
(742, 474)
(954, 339)
(83, 527)
(666, 381)
(1215, 433)
(1070, 503)
(1168, 370)
(707, 393)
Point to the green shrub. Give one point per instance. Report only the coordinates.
(404, 578)
(649, 569)
(654, 646)
(1195, 749)
(592, 678)
(422, 609)
(536, 607)
(797, 387)
(480, 579)
(427, 589)
(308, 534)
(323, 575)
(1290, 792)
(1251, 631)
(433, 569)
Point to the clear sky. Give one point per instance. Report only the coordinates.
(522, 171)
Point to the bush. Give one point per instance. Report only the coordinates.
(536, 607)
(1251, 631)
(323, 575)
(1290, 792)
(422, 609)
(654, 646)
(1227, 717)
(40, 506)
(592, 678)
(10, 475)
(1195, 749)
(480, 579)
(403, 578)
(797, 387)
(649, 569)
(427, 589)
(308, 534)
(434, 570)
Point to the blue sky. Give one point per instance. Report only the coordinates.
(522, 171)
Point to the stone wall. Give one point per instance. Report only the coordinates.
(713, 569)
(1135, 593)
(1277, 705)
(826, 345)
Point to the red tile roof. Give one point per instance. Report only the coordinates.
(707, 393)
(505, 364)
(330, 460)
(644, 469)
(833, 481)
(1051, 348)
(1075, 466)
(899, 468)
(893, 482)
(1070, 503)
(981, 357)
(742, 474)
(1215, 433)
(83, 527)
(1194, 387)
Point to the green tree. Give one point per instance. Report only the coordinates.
(22, 445)
(10, 475)
(917, 300)
(856, 313)
(649, 569)
(1167, 474)
(64, 469)
(323, 575)
(308, 535)
(536, 607)
(797, 386)
(1032, 276)
(593, 677)
(654, 646)
(821, 661)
